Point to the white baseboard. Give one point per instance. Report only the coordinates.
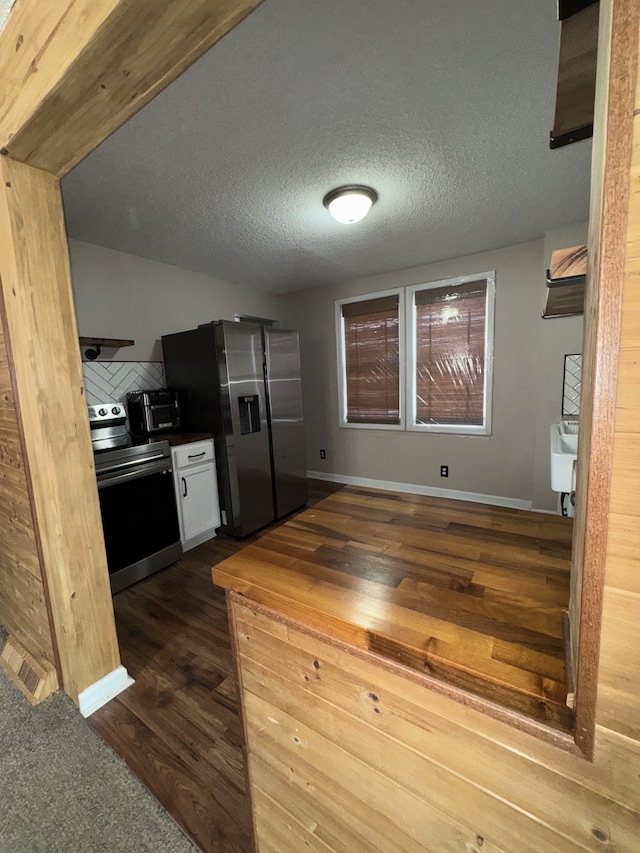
(413, 489)
(103, 690)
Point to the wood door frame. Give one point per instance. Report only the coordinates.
(612, 150)
(76, 70)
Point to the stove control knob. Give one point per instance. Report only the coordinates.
(116, 410)
(102, 412)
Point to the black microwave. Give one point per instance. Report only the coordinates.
(153, 411)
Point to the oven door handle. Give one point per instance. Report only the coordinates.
(114, 477)
(131, 463)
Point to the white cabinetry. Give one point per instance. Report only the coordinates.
(194, 474)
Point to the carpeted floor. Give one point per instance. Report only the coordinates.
(62, 790)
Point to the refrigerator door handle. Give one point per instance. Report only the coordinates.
(184, 487)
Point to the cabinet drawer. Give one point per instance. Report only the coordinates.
(193, 454)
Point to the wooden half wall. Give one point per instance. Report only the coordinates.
(71, 72)
(350, 753)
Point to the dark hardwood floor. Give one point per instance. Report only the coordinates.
(491, 582)
(177, 727)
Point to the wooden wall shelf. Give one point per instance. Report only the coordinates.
(116, 343)
(564, 301)
(566, 279)
(95, 345)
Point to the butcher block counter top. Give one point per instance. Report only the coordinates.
(466, 595)
(176, 439)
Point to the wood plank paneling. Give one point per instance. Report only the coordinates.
(619, 685)
(41, 333)
(23, 609)
(623, 553)
(73, 71)
(340, 734)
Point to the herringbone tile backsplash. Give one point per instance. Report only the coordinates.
(110, 381)
(572, 384)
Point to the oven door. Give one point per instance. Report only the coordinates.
(161, 416)
(140, 522)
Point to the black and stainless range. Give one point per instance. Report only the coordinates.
(137, 498)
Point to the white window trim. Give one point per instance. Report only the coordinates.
(455, 429)
(341, 361)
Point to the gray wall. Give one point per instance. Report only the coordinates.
(123, 296)
(513, 462)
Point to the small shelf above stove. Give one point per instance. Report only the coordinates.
(95, 345)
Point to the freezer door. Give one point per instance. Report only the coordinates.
(241, 369)
(284, 391)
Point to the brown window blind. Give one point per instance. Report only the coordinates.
(450, 354)
(372, 360)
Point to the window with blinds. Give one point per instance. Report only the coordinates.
(419, 358)
(449, 325)
(371, 346)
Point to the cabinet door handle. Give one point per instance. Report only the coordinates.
(184, 487)
(196, 455)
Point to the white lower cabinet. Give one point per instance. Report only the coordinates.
(194, 475)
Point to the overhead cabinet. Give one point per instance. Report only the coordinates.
(194, 472)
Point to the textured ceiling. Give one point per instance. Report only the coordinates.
(444, 107)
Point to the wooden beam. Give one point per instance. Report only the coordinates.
(43, 343)
(73, 71)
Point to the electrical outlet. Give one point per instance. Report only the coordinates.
(444, 470)
(323, 454)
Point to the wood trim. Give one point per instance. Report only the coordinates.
(615, 93)
(73, 71)
(38, 304)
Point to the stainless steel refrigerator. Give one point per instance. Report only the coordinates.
(241, 381)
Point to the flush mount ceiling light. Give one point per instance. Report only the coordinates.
(350, 204)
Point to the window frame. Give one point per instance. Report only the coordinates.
(341, 359)
(489, 335)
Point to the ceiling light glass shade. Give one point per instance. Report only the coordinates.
(350, 204)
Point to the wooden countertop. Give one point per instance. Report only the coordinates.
(176, 439)
(467, 593)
